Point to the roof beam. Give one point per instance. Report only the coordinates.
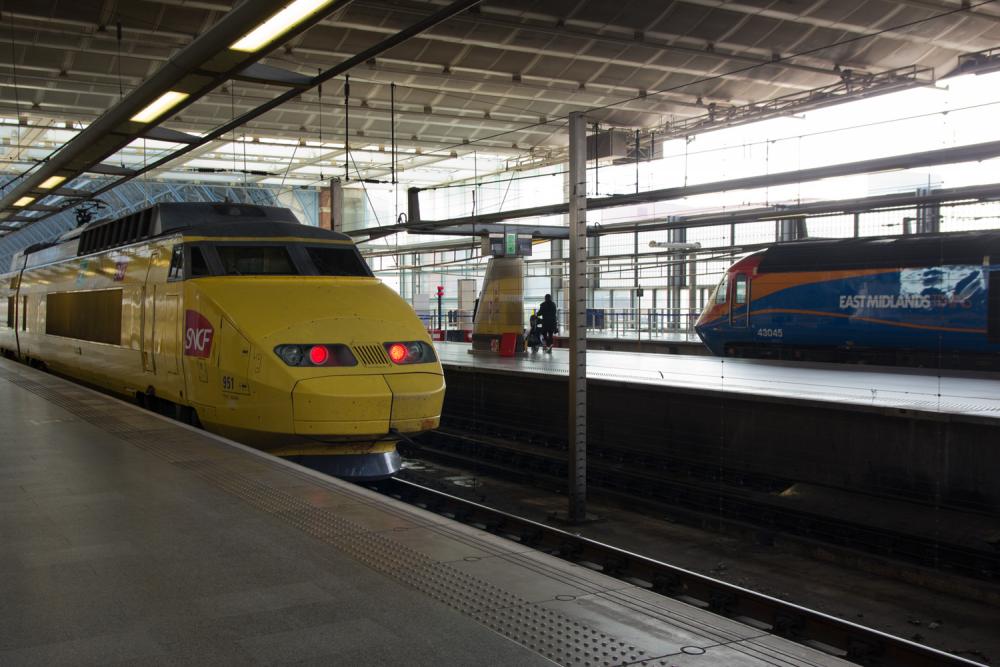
(190, 74)
(345, 66)
(160, 133)
(968, 153)
(858, 205)
(782, 15)
(259, 73)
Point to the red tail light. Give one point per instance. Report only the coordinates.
(398, 353)
(410, 352)
(318, 355)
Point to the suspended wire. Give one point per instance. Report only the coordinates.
(289, 165)
(121, 87)
(245, 172)
(319, 92)
(365, 188)
(347, 129)
(232, 111)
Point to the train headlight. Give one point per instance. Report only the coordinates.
(313, 355)
(290, 354)
(412, 352)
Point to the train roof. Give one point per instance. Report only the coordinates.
(880, 251)
(202, 218)
(199, 218)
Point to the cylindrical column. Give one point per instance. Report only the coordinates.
(577, 302)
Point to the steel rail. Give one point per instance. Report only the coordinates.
(740, 504)
(819, 631)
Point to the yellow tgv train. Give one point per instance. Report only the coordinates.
(239, 318)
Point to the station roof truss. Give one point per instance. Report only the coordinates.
(478, 86)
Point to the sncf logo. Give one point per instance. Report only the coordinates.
(198, 333)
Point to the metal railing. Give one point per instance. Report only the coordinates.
(640, 323)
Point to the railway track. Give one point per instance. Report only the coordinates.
(703, 498)
(859, 644)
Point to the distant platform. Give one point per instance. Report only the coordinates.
(132, 539)
(953, 392)
(666, 343)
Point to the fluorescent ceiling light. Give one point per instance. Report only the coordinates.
(51, 182)
(276, 26)
(160, 106)
(24, 201)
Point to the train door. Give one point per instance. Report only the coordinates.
(148, 318)
(739, 305)
(993, 312)
(166, 336)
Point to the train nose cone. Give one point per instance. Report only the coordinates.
(342, 405)
(416, 402)
(367, 405)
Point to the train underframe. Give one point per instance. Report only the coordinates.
(902, 357)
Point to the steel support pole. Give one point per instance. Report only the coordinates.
(577, 433)
(692, 291)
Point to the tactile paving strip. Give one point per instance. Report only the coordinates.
(547, 632)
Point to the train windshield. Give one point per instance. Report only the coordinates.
(256, 260)
(334, 261)
(719, 295)
(293, 259)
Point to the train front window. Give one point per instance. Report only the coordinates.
(720, 290)
(199, 267)
(337, 261)
(238, 260)
(176, 271)
(740, 290)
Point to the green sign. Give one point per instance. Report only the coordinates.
(511, 245)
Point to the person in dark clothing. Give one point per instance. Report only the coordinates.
(547, 314)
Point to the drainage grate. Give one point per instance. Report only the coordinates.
(371, 355)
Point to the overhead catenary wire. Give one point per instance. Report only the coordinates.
(232, 110)
(347, 128)
(118, 34)
(319, 93)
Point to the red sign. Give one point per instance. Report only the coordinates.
(198, 333)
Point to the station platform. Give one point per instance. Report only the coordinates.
(663, 343)
(893, 433)
(955, 392)
(128, 538)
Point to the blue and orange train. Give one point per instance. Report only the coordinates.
(929, 300)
